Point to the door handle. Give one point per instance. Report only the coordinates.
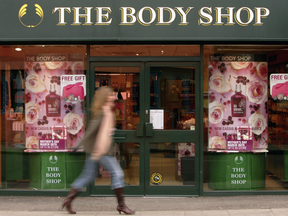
(139, 129)
(119, 136)
(149, 129)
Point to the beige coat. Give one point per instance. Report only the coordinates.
(90, 137)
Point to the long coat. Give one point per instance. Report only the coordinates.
(89, 139)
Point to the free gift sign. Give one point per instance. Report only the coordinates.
(73, 88)
(279, 86)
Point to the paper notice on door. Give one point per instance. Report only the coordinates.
(157, 118)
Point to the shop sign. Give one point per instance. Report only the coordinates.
(238, 95)
(87, 20)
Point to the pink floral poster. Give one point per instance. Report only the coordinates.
(237, 102)
(48, 115)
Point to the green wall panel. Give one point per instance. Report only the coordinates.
(236, 171)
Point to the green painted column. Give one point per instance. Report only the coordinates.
(17, 164)
(236, 171)
(35, 170)
(74, 166)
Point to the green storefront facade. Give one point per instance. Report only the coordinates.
(156, 55)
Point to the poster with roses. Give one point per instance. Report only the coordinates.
(238, 102)
(48, 116)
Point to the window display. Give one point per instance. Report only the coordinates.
(36, 118)
(246, 149)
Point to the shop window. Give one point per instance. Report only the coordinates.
(43, 115)
(245, 106)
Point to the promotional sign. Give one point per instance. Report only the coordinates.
(238, 102)
(48, 114)
(47, 144)
(279, 86)
(73, 88)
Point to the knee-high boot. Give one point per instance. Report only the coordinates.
(121, 202)
(68, 200)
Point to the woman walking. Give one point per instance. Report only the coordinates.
(98, 143)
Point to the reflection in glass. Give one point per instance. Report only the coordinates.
(125, 82)
(173, 90)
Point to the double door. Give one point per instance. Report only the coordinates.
(158, 126)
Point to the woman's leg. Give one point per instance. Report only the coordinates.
(87, 175)
(111, 164)
(117, 183)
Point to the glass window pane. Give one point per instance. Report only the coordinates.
(125, 83)
(173, 90)
(263, 167)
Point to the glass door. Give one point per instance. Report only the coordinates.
(127, 81)
(172, 117)
(158, 122)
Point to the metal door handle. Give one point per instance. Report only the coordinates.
(139, 129)
(119, 136)
(149, 129)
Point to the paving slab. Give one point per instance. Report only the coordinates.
(280, 211)
(5, 213)
(251, 212)
(206, 213)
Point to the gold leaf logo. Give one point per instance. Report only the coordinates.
(38, 11)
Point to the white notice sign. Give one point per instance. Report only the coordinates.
(157, 118)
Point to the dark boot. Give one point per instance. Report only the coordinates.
(121, 202)
(67, 202)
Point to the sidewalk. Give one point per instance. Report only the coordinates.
(106, 206)
(260, 212)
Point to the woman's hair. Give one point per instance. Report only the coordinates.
(99, 100)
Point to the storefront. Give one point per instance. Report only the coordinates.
(201, 103)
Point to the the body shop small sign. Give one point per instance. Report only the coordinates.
(50, 144)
